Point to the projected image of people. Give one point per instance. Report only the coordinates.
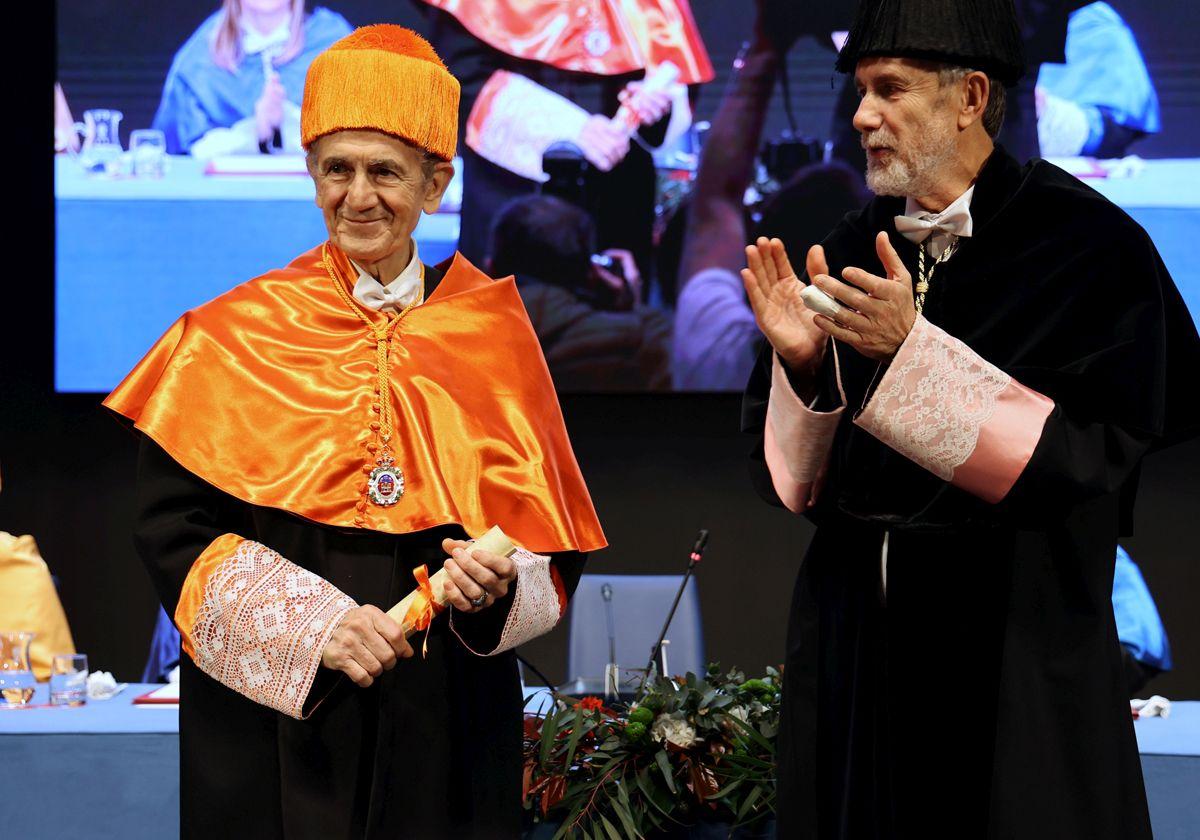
(236, 85)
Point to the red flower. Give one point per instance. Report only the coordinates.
(591, 704)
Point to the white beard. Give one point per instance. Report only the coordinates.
(913, 171)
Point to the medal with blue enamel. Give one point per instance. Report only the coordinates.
(385, 484)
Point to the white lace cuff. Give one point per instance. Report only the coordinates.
(956, 414)
(257, 623)
(538, 603)
(797, 440)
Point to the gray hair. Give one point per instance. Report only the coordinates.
(993, 112)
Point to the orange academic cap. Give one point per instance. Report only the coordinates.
(386, 78)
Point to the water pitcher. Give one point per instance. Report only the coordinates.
(16, 677)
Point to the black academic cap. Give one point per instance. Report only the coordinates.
(980, 34)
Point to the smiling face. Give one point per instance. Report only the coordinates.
(372, 188)
(909, 124)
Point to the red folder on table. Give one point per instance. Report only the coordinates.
(166, 695)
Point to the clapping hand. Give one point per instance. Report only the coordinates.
(877, 312)
(774, 292)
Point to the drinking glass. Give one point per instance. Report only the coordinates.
(16, 677)
(149, 149)
(68, 679)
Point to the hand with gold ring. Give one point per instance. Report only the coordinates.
(477, 578)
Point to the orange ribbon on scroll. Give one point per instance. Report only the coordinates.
(424, 607)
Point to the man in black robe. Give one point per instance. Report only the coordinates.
(315, 441)
(1009, 346)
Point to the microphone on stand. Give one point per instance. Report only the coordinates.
(655, 652)
(611, 675)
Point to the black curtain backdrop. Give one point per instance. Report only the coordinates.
(659, 467)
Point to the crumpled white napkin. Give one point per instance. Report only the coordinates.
(1156, 706)
(101, 685)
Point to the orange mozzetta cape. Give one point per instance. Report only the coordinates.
(603, 37)
(266, 393)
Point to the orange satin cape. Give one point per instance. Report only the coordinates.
(267, 391)
(602, 37)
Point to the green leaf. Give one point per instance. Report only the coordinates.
(549, 730)
(729, 788)
(576, 734)
(608, 826)
(664, 764)
(648, 788)
(748, 804)
(622, 807)
(565, 828)
(753, 734)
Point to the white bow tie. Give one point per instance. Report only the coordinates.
(396, 296)
(955, 221)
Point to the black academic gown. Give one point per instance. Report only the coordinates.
(981, 695)
(431, 750)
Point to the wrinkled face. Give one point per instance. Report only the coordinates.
(908, 124)
(371, 188)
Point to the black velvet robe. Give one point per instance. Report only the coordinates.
(431, 750)
(1025, 730)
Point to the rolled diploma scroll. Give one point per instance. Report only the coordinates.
(819, 302)
(495, 541)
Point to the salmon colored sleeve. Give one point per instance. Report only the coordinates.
(257, 622)
(951, 411)
(797, 439)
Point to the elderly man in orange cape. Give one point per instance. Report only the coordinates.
(308, 440)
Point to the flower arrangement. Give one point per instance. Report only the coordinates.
(689, 750)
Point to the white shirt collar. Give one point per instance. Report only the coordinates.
(397, 294)
(254, 42)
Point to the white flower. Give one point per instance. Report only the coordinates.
(676, 730)
(740, 713)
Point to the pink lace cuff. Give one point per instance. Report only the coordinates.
(954, 413)
(538, 603)
(797, 439)
(257, 623)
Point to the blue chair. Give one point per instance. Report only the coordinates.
(640, 604)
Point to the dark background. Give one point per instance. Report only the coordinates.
(659, 466)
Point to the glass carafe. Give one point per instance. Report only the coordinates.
(101, 147)
(16, 677)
